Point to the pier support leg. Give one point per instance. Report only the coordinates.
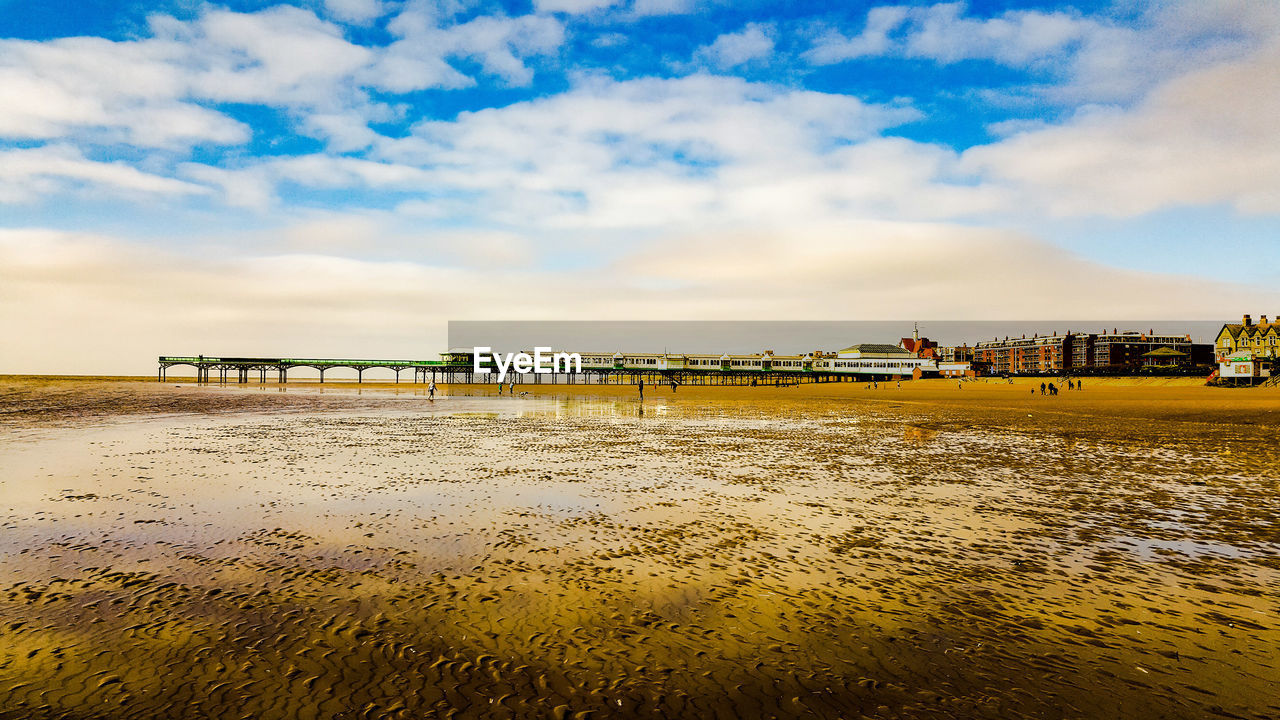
(359, 375)
(321, 376)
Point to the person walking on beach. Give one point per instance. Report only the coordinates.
(1041, 388)
(673, 385)
(499, 387)
(1079, 385)
(512, 389)
(641, 385)
(431, 391)
(1052, 390)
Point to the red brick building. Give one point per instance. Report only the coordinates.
(1106, 352)
(1026, 355)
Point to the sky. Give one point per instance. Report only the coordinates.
(342, 177)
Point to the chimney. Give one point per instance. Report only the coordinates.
(1262, 319)
(1247, 321)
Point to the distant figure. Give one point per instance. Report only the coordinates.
(499, 388)
(513, 386)
(1071, 384)
(431, 391)
(1079, 385)
(899, 384)
(641, 385)
(1052, 389)
(1042, 388)
(959, 385)
(673, 385)
(875, 384)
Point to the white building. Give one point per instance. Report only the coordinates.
(1244, 366)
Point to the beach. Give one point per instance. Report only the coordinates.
(939, 550)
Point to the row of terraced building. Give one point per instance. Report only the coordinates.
(1089, 352)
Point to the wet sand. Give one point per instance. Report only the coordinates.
(814, 551)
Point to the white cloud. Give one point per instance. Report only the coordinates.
(344, 131)
(652, 152)
(29, 175)
(573, 7)
(126, 92)
(752, 42)
(254, 186)
(500, 44)
(640, 153)
(942, 32)
(662, 7)
(1083, 58)
(358, 12)
(156, 92)
(832, 47)
(658, 155)
(1203, 138)
(279, 56)
(254, 190)
(1017, 37)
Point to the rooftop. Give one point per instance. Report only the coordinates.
(875, 348)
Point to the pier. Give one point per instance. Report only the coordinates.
(240, 369)
(458, 369)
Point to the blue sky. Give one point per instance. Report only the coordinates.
(427, 160)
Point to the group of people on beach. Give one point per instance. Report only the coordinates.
(640, 384)
(1051, 389)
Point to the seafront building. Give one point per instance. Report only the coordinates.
(1026, 355)
(1262, 339)
(1105, 352)
(1129, 350)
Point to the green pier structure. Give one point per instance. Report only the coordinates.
(449, 368)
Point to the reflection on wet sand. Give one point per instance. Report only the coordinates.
(373, 556)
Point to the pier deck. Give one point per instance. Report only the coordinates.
(238, 369)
